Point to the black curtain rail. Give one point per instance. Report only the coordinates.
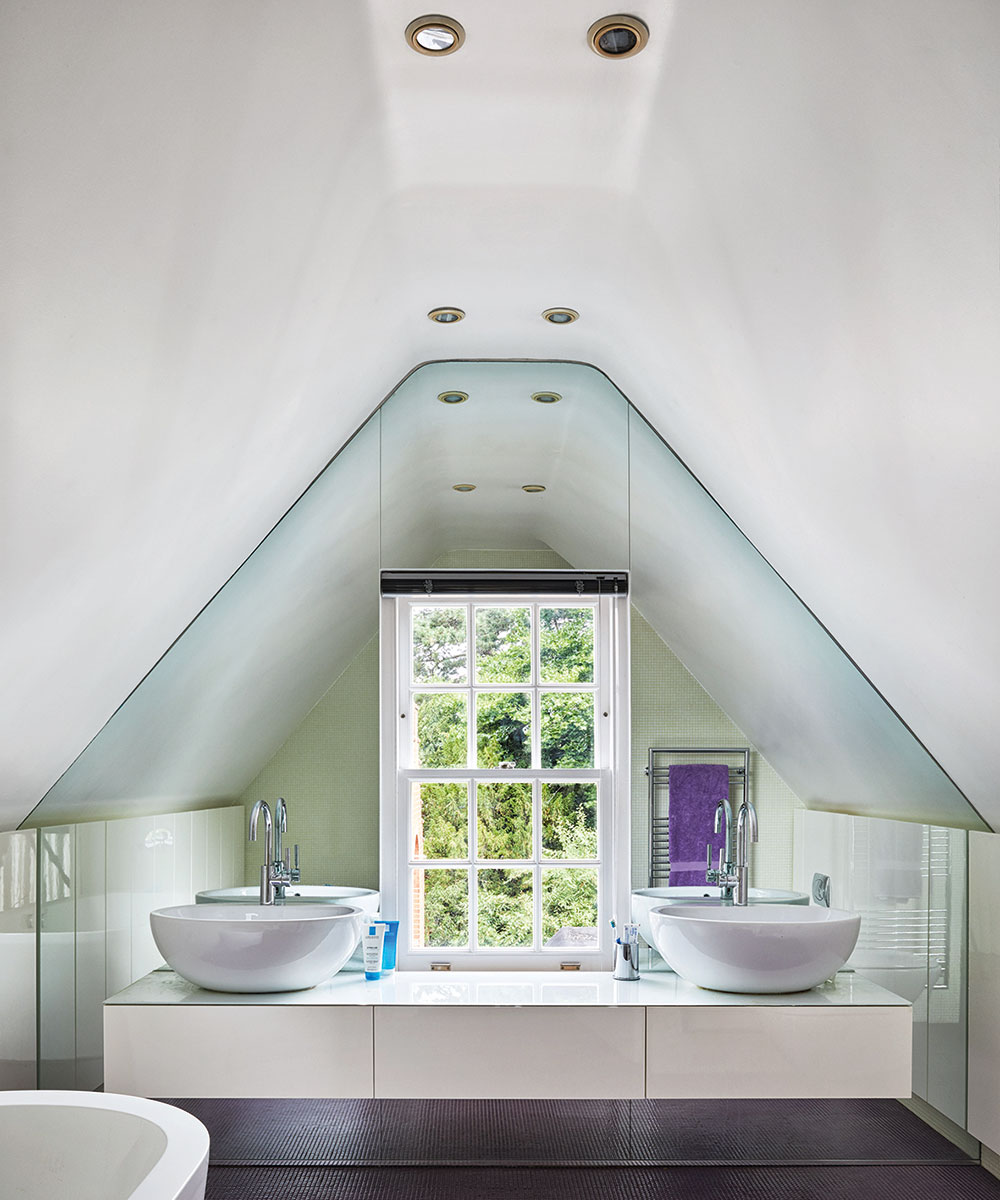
(504, 583)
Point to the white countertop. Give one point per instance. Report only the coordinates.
(509, 989)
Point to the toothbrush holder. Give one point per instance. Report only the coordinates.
(626, 961)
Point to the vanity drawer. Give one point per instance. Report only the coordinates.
(238, 1050)
(777, 1051)
(531, 1053)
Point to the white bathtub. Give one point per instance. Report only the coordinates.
(96, 1146)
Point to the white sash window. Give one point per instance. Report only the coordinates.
(499, 801)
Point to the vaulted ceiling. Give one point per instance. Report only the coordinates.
(225, 222)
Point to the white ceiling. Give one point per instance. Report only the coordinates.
(224, 222)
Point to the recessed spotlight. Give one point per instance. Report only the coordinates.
(618, 37)
(546, 397)
(446, 316)
(453, 397)
(532, 487)
(463, 487)
(560, 316)
(435, 35)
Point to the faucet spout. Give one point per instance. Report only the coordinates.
(266, 883)
(723, 876)
(746, 832)
(280, 825)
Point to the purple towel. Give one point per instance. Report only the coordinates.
(694, 791)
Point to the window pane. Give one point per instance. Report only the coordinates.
(567, 729)
(503, 729)
(440, 907)
(503, 645)
(505, 907)
(566, 638)
(440, 645)
(503, 820)
(442, 720)
(569, 820)
(569, 907)
(439, 820)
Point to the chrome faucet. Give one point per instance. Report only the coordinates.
(724, 874)
(735, 873)
(276, 873)
(746, 832)
(282, 872)
(266, 884)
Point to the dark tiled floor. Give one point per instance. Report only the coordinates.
(951, 1182)
(581, 1150)
(534, 1133)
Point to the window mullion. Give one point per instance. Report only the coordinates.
(536, 871)
(473, 863)
(471, 730)
(536, 673)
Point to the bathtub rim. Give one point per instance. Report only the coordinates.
(185, 1156)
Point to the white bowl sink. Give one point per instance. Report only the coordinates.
(766, 948)
(255, 947)
(299, 893)
(643, 899)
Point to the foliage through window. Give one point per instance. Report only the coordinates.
(502, 775)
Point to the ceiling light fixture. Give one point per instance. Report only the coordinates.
(463, 487)
(453, 397)
(446, 316)
(546, 397)
(532, 487)
(561, 316)
(435, 35)
(619, 36)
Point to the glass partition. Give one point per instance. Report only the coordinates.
(273, 688)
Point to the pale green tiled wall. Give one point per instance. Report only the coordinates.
(328, 769)
(327, 772)
(670, 708)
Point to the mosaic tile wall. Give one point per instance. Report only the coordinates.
(327, 772)
(670, 708)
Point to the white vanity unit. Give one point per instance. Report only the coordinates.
(506, 1035)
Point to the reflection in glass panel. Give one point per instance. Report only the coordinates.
(440, 645)
(503, 645)
(442, 723)
(569, 907)
(503, 820)
(503, 729)
(569, 820)
(567, 729)
(566, 639)
(506, 916)
(439, 820)
(500, 439)
(440, 907)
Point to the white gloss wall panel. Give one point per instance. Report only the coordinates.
(509, 1053)
(233, 836)
(91, 952)
(238, 1051)
(18, 919)
(984, 989)
(100, 882)
(777, 1053)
